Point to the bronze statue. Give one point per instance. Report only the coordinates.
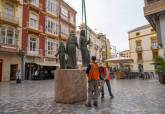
(61, 52)
(84, 50)
(71, 51)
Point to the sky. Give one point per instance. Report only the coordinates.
(112, 17)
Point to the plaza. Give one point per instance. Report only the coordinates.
(37, 97)
(41, 40)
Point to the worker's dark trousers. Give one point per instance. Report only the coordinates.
(109, 88)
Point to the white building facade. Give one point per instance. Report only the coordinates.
(144, 48)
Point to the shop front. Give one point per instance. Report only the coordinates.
(9, 65)
(124, 66)
(38, 69)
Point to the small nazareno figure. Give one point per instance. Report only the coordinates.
(61, 52)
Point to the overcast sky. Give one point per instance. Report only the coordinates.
(112, 17)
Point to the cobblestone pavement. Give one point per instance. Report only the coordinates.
(36, 97)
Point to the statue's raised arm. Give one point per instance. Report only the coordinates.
(84, 50)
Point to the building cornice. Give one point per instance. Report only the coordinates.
(154, 33)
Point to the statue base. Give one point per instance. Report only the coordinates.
(70, 86)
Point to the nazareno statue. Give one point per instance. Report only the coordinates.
(61, 52)
(71, 51)
(84, 50)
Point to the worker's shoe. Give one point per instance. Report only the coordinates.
(111, 96)
(95, 104)
(102, 97)
(88, 105)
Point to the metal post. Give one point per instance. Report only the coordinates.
(22, 69)
(24, 59)
(84, 16)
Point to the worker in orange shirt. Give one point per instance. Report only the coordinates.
(105, 76)
(93, 82)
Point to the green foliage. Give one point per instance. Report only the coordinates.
(160, 65)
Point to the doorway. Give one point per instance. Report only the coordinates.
(0, 70)
(13, 71)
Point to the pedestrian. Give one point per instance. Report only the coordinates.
(18, 76)
(93, 82)
(105, 72)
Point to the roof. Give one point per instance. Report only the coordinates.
(124, 51)
(140, 28)
(69, 6)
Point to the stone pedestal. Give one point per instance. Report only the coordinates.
(70, 86)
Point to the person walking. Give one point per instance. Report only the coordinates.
(18, 76)
(105, 72)
(93, 82)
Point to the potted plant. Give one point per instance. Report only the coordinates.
(160, 69)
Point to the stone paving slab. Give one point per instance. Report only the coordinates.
(37, 97)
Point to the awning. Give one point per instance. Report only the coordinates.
(79, 63)
(48, 64)
(120, 60)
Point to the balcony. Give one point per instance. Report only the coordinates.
(64, 36)
(155, 47)
(64, 17)
(50, 53)
(153, 6)
(35, 6)
(37, 52)
(8, 48)
(5, 18)
(139, 49)
(50, 60)
(139, 60)
(34, 28)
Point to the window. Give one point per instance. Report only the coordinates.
(138, 43)
(52, 26)
(64, 29)
(33, 44)
(152, 30)
(155, 54)
(33, 21)
(154, 43)
(138, 33)
(139, 56)
(8, 35)
(9, 9)
(64, 13)
(52, 47)
(3, 35)
(72, 19)
(35, 2)
(51, 6)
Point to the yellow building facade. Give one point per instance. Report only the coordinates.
(144, 48)
(10, 38)
(125, 53)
